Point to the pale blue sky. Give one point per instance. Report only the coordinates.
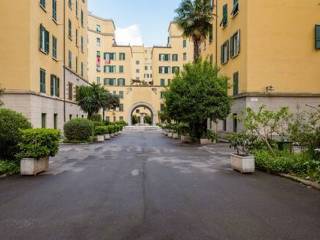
(148, 18)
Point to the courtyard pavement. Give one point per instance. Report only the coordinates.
(144, 186)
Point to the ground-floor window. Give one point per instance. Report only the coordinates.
(224, 122)
(235, 122)
(43, 120)
(70, 116)
(55, 121)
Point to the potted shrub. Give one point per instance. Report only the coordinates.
(242, 160)
(99, 132)
(107, 135)
(36, 146)
(209, 137)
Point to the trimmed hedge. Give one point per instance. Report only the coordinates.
(39, 143)
(10, 124)
(101, 130)
(78, 130)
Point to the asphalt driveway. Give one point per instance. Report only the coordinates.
(144, 186)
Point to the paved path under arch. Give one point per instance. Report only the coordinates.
(143, 186)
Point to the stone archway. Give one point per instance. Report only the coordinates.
(154, 114)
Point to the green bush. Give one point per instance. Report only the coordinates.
(10, 123)
(285, 162)
(96, 118)
(9, 167)
(39, 143)
(78, 130)
(101, 130)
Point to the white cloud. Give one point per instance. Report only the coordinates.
(129, 35)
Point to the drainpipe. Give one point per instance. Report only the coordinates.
(64, 60)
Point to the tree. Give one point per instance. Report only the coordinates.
(1, 93)
(92, 98)
(196, 94)
(195, 19)
(110, 101)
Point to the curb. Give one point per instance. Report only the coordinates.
(300, 180)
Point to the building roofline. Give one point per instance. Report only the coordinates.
(103, 19)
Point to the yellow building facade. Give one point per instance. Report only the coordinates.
(138, 74)
(38, 37)
(270, 52)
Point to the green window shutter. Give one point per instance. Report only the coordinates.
(47, 41)
(317, 33)
(235, 83)
(52, 85)
(57, 87)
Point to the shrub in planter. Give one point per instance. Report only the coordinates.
(101, 130)
(39, 143)
(78, 130)
(36, 146)
(9, 167)
(10, 123)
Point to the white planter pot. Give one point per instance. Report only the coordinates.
(243, 164)
(32, 167)
(185, 139)
(112, 135)
(205, 141)
(107, 137)
(170, 134)
(100, 138)
(175, 136)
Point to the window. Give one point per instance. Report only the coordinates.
(175, 57)
(98, 80)
(164, 57)
(235, 9)
(55, 121)
(77, 38)
(82, 19)
(211, 35)
(70, 29)
(121, 82)
(110, 81)
(121, 118)
(184, 43)
(175, 70)
(54, 47)
(108, 57)
(137, 70)
(164, 70)
(98, 42)
(120, 107)
(82, 69)
(162, 95)
(161, 107)
(54, 10)
(82, 44)
(184, 56)
(77, 8)
(70, 4)
(54, 86)
(121, 94)
(137, 62)
(225, 53)
(235, 83)
(122, 56)
(224, 125)
(70, 59)
(162, 82)
(44, 39)
(235, 122)
(109, 69)
(76, 64)
(43, 120)
(70, 116)
(43, 3)
(224, 21)
(42, 81)
(235, 44)
(121, 69)
(98, 28)
(70, 91)
(317, 36)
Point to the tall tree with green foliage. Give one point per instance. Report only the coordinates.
(93, 98)
(195, 19)
(196, 94)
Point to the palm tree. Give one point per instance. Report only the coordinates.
(109, 101)
(195, 19)
(91, 98)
